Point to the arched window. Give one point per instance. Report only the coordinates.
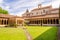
(31, 14)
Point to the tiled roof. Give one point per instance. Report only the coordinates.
(54, 9)
(42, 8)
(8, 16)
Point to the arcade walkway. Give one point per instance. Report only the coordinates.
(44, 21)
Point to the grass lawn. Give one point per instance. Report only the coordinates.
(12, 34)
(43, 33)
(37, 33)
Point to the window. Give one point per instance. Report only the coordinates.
(32, 13)
(37, 13)
(46, 11)
(43, 11)
(28, 15)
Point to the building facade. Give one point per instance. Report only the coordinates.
(6, 19)
(42, 16)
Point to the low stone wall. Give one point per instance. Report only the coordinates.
(2, 26)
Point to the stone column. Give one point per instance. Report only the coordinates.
(47, 21)
(16, 21)
(44, 21)
(0, 21)
(50, 21)
(53, 21)
(6, 21)
(41, 22)
(35, 21)
(59, 21)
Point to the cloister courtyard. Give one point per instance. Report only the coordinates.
(40, 23)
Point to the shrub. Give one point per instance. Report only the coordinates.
(12, 25)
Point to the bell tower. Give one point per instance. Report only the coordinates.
(39, 5)
(27, 11)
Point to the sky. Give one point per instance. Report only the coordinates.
(18, 7)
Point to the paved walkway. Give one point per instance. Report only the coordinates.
(27, 33)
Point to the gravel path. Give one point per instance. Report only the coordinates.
(27, 33)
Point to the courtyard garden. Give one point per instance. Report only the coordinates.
(36, 32)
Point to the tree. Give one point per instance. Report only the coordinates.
(2, 11)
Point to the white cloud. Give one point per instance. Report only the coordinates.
(56, 4)
(33, 3)
(30, 4)
(1, 1)
(20, 13)
(6, 7)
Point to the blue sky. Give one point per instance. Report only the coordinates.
(18, 7)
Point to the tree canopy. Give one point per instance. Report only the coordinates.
(2, 11)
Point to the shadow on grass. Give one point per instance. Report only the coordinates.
(50, 34)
